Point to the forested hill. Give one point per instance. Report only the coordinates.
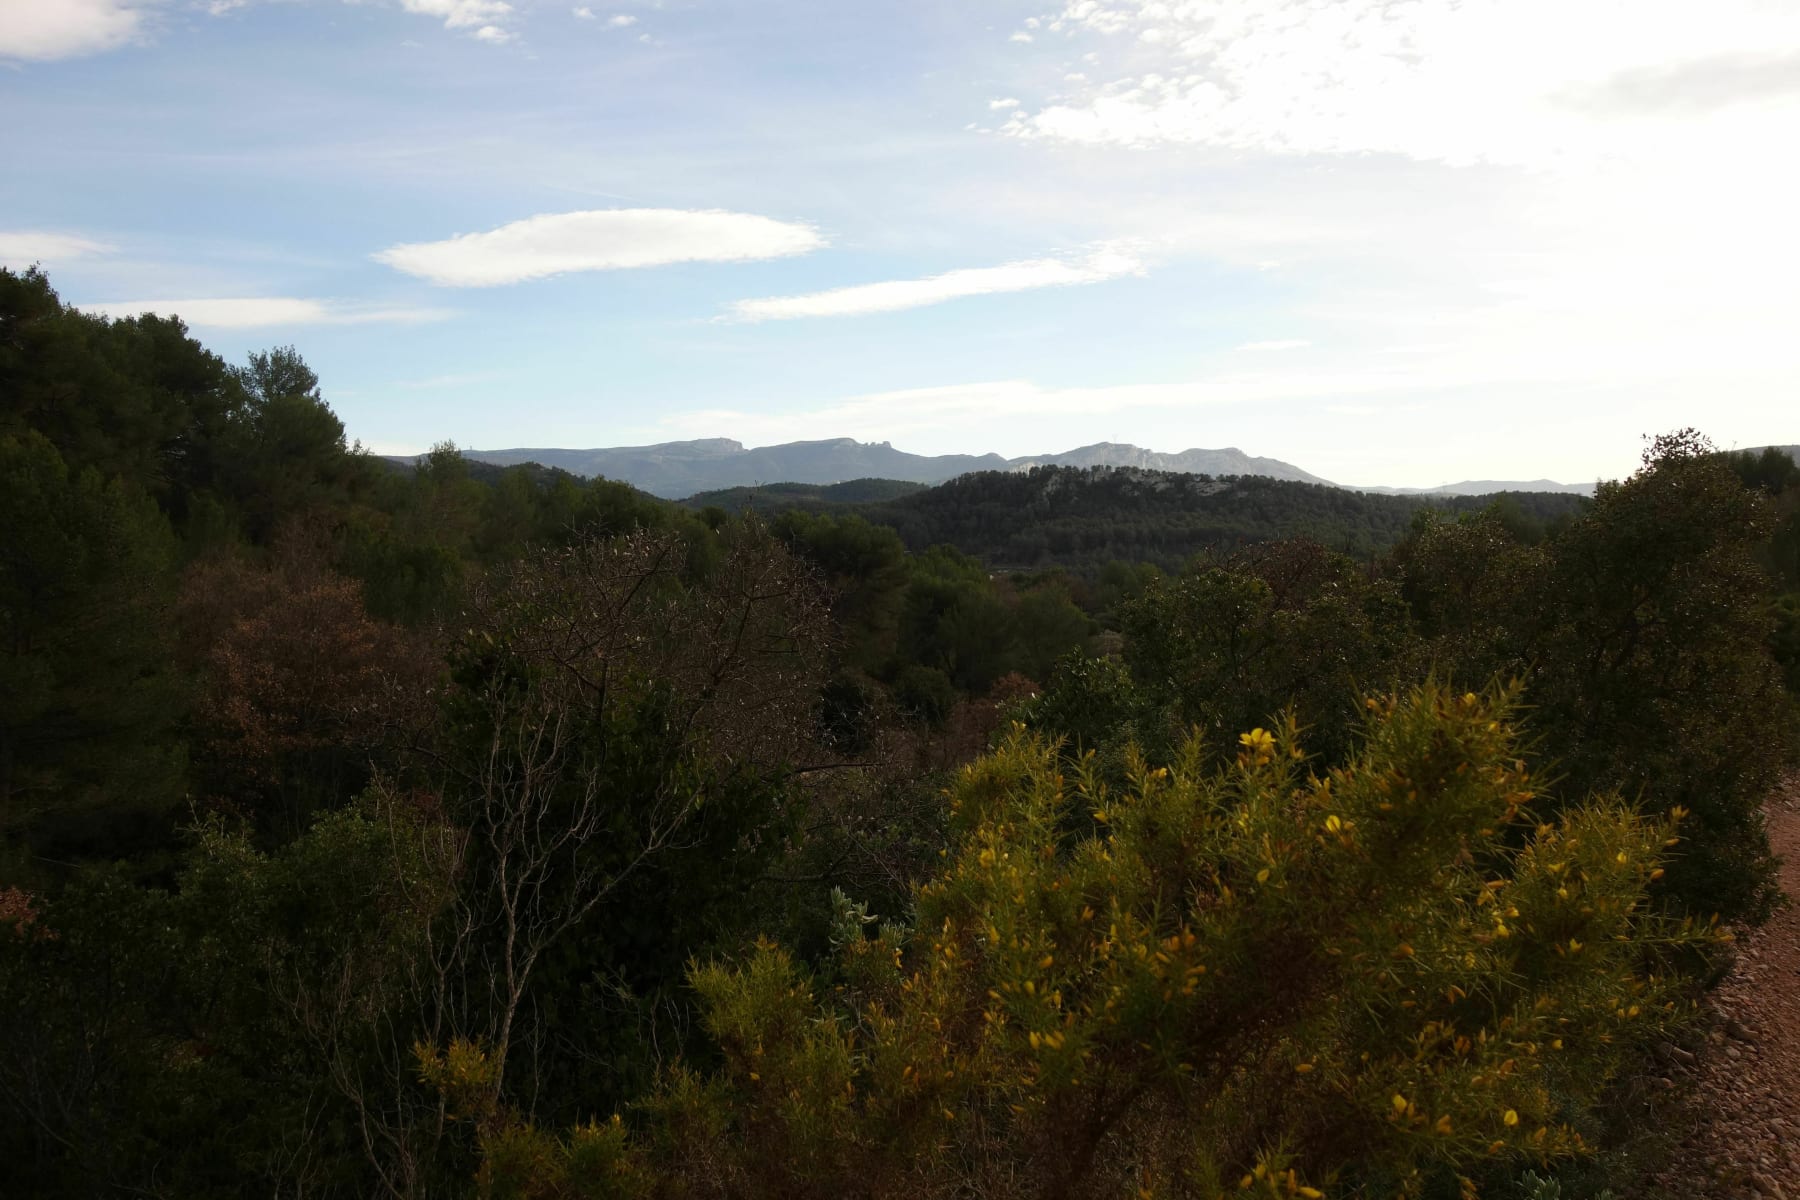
(777, 497)
(1081, 518)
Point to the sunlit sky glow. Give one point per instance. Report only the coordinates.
(1403, 243)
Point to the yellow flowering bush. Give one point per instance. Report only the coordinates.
(1252, 980)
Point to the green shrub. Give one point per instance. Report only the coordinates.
(1245, 978)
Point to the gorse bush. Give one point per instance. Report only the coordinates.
(1245, 978)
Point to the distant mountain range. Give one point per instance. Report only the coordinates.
(679, 469)
(1485, 487)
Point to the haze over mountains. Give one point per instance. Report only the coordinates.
(678, 469)
(1483, 487)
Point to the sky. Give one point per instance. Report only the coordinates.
(1404, 242)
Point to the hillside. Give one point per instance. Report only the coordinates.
(1229, 461)
(775, 497)
(1080, 519)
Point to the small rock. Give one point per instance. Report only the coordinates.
(1766, 1186)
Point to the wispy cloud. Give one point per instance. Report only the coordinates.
(932, 412)
(262, 312)
(23, 247)
(52, 29)
(599, 240)
(1695, 85)
(55, 29)
(894, 295)
(622, 21)
(1277, 344)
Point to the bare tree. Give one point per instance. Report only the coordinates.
(598, 693)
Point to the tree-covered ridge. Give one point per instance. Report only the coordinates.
(1080, 518)
(777, 497)
(376, 832)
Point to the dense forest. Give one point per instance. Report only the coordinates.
(1080, 519)
(451, 831)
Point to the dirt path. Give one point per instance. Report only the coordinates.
(1747, 1087)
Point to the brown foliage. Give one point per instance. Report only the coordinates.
(17, 911)
(740, 652)
(301, 686)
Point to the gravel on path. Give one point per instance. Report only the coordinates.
(1745, 1088)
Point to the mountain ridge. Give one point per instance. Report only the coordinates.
(676, 470)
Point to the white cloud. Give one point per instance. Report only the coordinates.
(1022, 37)
(261, 312)
(1003, 103)
(21, 248)
(461, 14)
(219, 8)
(494, 35)
(584, 12)
(894, 295)
(622, 21)
(52, 29)
(1457, 81)
(1278, 344)
(599, 240)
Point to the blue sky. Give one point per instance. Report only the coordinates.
(1403, 242)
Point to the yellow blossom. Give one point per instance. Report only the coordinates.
(1259, 743)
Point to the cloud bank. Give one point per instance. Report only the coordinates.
(599, 240)
(894, 295)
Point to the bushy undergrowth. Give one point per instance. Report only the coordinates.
(1250, 978)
